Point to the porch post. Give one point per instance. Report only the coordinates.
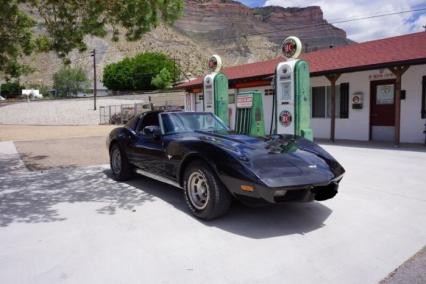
(333, 78)
(398, 71)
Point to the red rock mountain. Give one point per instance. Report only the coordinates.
(236, 32)
(233, 29)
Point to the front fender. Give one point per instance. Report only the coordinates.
(221, 161)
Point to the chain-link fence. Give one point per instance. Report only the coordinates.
(121, 114)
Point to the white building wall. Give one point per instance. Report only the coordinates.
(357, 126)
(412, 125)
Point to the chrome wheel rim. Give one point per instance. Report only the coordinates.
(198, 190)
(116, 161)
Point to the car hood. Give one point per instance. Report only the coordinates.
(279, 160)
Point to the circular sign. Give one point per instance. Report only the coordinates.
(215, 63)
(355, 100)
(291, 47)
(285, 118)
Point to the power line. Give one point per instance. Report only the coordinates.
(325, 24)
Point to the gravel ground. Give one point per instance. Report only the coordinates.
(62, 153)
(61, 112)
(413, 271)
(38, 132)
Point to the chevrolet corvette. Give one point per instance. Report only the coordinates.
(195, 151)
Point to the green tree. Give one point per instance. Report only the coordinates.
(69, 81)
(137, 73)
(11, 89)
(163, 80)
(15, 38)
(64, 24)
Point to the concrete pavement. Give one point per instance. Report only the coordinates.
(77, 225)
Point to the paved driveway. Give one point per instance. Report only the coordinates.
(76, 225)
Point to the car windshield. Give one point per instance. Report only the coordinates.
(191, 121)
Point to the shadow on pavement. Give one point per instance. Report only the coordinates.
(264, 222)
(32, 197)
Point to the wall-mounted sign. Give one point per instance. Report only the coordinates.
(245, 101)
(385, 94)
(285, 118)
(356, 100)
(215, 63)
(381, 74)
(291, 47)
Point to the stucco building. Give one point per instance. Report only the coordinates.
(379, 89)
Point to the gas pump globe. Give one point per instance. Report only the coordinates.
(292, 104)
(215, 86)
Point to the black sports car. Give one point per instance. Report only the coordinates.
(196, 152)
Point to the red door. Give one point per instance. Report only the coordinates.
(382, 110)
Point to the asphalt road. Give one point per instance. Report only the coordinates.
(76, 225)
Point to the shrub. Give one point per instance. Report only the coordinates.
(11, 89)
(163, 80)
(69, 81)
(138, 73)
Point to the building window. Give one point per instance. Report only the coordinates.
(424, 97)
(231, 98)
(321, 101)
(344, 100)
(269, 92)
(318, 102)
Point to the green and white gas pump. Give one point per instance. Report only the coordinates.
(215, 85)
(249, 115)
(292, 102)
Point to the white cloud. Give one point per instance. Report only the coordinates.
(363, 30)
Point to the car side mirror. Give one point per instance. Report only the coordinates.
(152, 131)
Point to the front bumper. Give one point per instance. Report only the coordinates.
(298, 193)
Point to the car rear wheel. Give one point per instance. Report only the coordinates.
(205, 195)
(121, 168)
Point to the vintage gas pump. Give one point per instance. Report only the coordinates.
(216, 95)
(249, 115)
(292, 103)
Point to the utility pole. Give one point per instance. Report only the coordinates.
(174, 69)
(94, 78)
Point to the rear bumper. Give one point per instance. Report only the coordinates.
(299, 193)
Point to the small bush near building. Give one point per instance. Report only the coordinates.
(11, 89)
(69, 81)
(146, 71)
(43, 89)
(163, 80)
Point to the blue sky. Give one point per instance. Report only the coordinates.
(365, 29)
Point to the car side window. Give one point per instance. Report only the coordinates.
(148, 120)
(132, 124)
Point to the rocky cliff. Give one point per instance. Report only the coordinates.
(236, 32)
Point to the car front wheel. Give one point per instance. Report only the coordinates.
(205, 195)
(121, 168)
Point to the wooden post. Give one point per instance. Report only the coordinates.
(398, 71)
(333, 78)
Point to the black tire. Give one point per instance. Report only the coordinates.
(125, 171)
(218, 199)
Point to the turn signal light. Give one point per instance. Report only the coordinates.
(247, 188)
